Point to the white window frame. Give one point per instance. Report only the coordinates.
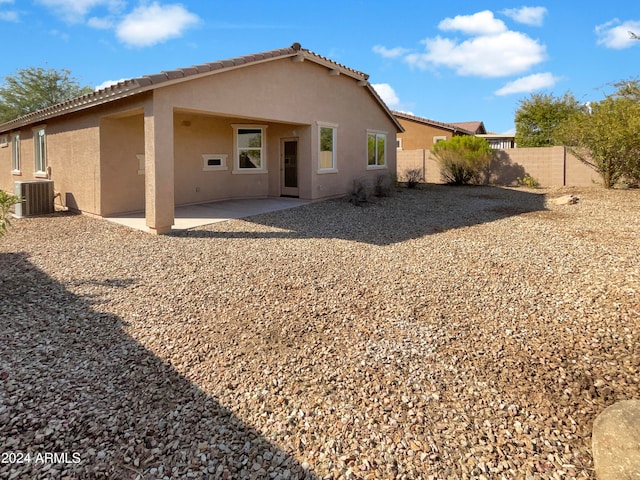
(439, 138)
(399, 143)
(40, 151)
(334, 140)
(16, 163)
(376, 134)
(263, 150)
(214, 156)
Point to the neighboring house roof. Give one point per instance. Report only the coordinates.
(497, 135)
(145, 83)
(455, 128)
(473, 127)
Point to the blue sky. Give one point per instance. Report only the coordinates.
(448, 61)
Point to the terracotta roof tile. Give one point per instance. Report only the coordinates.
(187, 72)
(205, 67)
(139, 84)
(144, 81)
(448, 126)
(475, 126)
(173, 74)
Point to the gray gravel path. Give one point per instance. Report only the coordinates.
(439, 333)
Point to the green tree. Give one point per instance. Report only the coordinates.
(607, 137)
(33, 88)
(538, 117)
(628, 88)
(462, 159)
(7, 201)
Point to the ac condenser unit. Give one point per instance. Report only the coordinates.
(37, 196)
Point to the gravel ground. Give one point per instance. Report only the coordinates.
(439, 333)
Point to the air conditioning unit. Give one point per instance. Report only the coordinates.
(37, 196)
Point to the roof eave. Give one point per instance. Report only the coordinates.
(140, 85)
(433, 123)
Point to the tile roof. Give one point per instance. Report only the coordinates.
(475, 127)
(138, 85)
(454, 127)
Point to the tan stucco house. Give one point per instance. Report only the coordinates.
(283, 122)
(423, 133)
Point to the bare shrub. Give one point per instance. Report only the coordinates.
(413, 177)
(383, 185)
(360, 193)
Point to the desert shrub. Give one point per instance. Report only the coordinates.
(528, 181)
(382, 186)
(413, 177)
(360, 193)
(7, 201)
(463, 159)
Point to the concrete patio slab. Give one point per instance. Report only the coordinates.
(191, 216)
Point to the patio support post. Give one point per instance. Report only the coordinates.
(159, 177)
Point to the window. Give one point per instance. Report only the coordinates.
(376, 150)
(398, 143)
(327, 148)
(40, 150)
(439, 139)
(214, 161)
(250, 149)
(15, 153)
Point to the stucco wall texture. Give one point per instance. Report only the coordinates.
(94, 155)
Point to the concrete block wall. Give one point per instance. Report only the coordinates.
(420, 159)
(550, 166)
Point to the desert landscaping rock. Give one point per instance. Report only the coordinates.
(439, 333)
(565, 200)
(616, 441)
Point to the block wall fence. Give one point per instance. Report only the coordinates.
(550, 166)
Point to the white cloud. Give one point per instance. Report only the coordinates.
(9, 16)
(154, 23)
(75, 11)
(527, 84)
(61, 35)
(103, 23)
(491, 49)
(615, 34)
(388, 94)
(389, 52)
(533, 16)
(507, 53)
(481, 23)
(108, 83)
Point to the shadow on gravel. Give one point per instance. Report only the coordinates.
(79, 398)
(406, 215)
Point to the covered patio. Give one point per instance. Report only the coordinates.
(191, 216)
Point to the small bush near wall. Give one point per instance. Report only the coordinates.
(413, 177)
(463, 159)
(359, 192)
(528, 181)
(7, 201)
(383, 185)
